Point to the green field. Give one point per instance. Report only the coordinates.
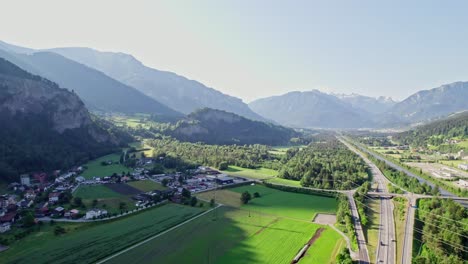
(270, 229)
(96, 169)
(324, 247)
(147, 185)
(261, 173)
(277, 180)
(105, 197)
(87, 243)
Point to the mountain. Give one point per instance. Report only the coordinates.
(97, 90)
(437, 133)
(173, 90)
(44, 127)
(430, 104)
(371, 105)
(311, 109)
(213, 126)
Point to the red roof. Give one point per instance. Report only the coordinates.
(8, 217)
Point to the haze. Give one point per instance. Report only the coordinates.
(257, 49)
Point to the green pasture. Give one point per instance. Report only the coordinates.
(96, 169)
(146, 185)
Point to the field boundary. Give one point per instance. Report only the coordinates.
(155, 236)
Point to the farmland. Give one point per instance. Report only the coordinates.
(87, 243)
(325, 246)
(270, 229)
(96, 169)
(146, 185)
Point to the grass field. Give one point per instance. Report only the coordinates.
(106, 198)
(87, 243)
(372, 231)
(399, 214)
(261, 173)
(329, 244)
(147, 185)
(95, 169)
(282, 181)
(270, 229)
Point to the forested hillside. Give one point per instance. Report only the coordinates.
(436, 133)
(45, 127)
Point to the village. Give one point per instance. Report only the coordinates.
(43, 197)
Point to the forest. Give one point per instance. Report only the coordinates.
(328, 164)
(442, 229)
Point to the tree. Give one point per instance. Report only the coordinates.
(181, 179)
(122, 205)
(164, 182)
(256, 195)
(28, 220)
(193, 201)
(245, 197)
(223, 165)
(58, 230)
(77, 201)
(186, 193)
(212, 202)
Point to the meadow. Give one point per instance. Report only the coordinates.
(146, 185)
(270, 229)
(105, 197)
(328, 244)
(260, 173)
(87, 243)
(96, 169)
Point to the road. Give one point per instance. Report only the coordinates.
(361, 239)
(386, 246)
(407, 253)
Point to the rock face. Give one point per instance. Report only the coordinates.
(220, 127)
(44, 127)
(173, 90)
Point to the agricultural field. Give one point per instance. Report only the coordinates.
(106, 198)
(87, 243)
(146, 185)
(96, 169)
(269, 229)
(261, 173)
(324, 247)
(277, 180)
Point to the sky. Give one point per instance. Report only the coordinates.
(254, 49)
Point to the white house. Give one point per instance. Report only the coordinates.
(5, 227)
(463, 183)
(463, 166)
(54, 197)
(95, 213)
(25, 180)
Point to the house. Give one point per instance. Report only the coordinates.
(54, 197)
(40, 177)
(41, 212)
(30, 194)
(9, 217)
(3, 202)
(80, 179)
(95, 213)
(463, 166)
(58, 212)
(5, 227)
(463, 183)
(72, 213)
(26, 203)
(25, 180)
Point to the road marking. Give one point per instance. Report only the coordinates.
(155, 236)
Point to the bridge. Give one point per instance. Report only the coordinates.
(414, 196)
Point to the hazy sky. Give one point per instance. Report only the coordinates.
(253, 49)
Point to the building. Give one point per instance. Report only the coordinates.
(463, 166)
(25, 180)
(463, 183)
(54, 197)
(5, 227)
(95, 213)
(224, 180)
(58, 212)
(73, 213)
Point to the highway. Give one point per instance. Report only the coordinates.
(361, 239)
(386, 247)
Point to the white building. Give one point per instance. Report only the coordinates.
(463, 183)
(5, 227)
(95, 213)
(463, 166)
(25, 180)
